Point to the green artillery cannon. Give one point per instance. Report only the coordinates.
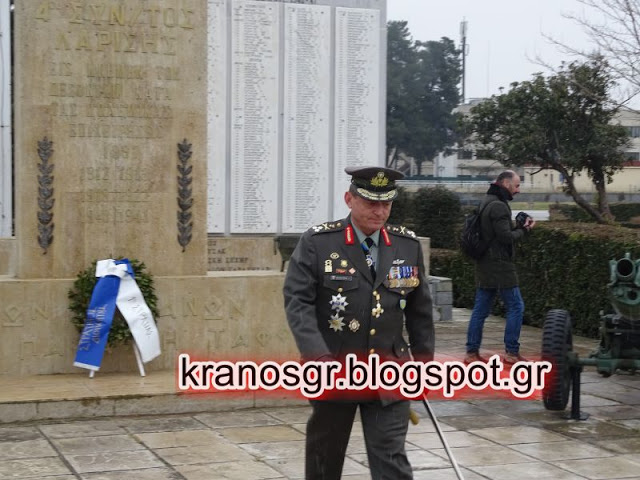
(619, 347)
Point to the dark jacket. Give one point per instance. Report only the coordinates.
(496, 269)
(328, 266)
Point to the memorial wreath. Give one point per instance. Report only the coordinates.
(80, 296)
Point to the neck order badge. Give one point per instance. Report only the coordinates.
(116, 287)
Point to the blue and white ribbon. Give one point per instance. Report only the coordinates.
(116, 286)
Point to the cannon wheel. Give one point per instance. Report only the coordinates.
(556, 343)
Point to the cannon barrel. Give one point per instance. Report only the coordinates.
(624, 288)
(625, 270)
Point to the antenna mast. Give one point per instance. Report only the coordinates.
(463, 51)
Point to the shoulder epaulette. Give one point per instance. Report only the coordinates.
(328, 227)
(401, 231)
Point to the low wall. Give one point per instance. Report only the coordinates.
(222, 315)
(228, 314)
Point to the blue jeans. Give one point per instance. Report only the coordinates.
(515, 309)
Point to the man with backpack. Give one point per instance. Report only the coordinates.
(495, 270)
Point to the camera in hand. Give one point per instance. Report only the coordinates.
(521, 218)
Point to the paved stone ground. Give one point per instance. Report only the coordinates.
(491, 438)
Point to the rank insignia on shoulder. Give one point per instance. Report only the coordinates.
(327, 227)
(401, 230)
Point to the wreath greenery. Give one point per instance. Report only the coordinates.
(80, 296)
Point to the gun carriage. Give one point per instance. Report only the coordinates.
(619, 347)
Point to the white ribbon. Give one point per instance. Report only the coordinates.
(134, 309)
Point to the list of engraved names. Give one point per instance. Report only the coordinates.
(254, 110)
(307, 87)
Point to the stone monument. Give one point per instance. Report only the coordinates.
(143, 127)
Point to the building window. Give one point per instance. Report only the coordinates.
(634, 132)
(464, 154)
(632, 156)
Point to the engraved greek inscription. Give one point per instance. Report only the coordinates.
(61, 42)
(105, 130)
(145, 92)
(116, 70)
(186, 19)
(43, 12)
(262, 338)
(94, 88)
(64, 109)
(239, 341)
(213, 309)
(107, 213)
(236, 311)
(82, 41)
(76, 12)
(40, 313)
(123, 15)
(98, 174)
(60, 69)
(168, 73)
(189, 307)
(116, 41)
(215, 342)
(113, 151)
(104, 40)
(236, 259)
(117, 15)
(126, 110)
(14, 315)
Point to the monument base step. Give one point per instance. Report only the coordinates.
(52, 397)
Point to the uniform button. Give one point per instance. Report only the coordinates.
(340, 290)
(375, 293)
(372, 351)
(401, 292)
(402, 349)
(372, 331)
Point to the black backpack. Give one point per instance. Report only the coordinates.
(471, 242)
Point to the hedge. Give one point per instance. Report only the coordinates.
(433, 212)
(627, 213)
(560, 265)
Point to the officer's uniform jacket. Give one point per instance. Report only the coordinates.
(334, 307)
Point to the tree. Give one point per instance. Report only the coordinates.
(401, 60)
(563, 122)
(616, 37)
(422, 91)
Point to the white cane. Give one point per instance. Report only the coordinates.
(425, 402)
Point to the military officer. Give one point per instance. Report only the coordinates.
(350, 287)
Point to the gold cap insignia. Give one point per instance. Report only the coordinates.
(380, 180)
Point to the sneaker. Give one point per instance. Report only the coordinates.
(471, 357)
(511, 358)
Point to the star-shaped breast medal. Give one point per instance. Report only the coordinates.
(336, 323)
(338, 303)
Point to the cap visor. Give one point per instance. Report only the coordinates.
(377, 196)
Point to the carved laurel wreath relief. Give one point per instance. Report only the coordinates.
(185, 198)
(45, 194)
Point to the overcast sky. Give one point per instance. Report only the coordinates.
(504, 36)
